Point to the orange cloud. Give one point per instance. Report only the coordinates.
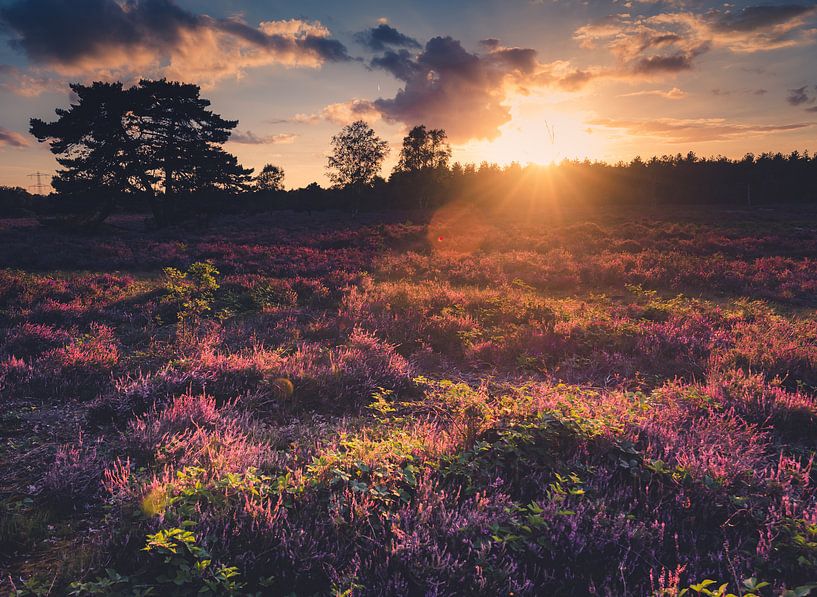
(672, 94)
(343, 113)
(669, 42)
(111, 39)
(27, 84)
(250, 138)
(467, 93)
(688, 130)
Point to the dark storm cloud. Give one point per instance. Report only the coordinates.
(88, 34)
(383, 37)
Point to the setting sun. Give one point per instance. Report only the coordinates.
(538, 133)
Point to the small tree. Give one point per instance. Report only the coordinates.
(357, 156)
(424, 149)
(190, 294)
(271, 178)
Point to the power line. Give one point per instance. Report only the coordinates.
(40, 187)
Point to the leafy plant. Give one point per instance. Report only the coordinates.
(190, 293)
(751, 588)
(181, 567)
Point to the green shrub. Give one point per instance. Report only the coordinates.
(190, 293)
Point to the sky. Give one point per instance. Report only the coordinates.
(528, 81)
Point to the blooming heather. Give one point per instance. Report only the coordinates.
(601, 406)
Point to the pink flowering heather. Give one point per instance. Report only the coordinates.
(585, 405)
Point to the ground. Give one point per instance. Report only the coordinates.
(614, 403)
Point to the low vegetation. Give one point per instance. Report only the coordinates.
(617, 405)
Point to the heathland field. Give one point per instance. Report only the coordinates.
(616, 404)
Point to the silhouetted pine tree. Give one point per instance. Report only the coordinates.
(156, 139)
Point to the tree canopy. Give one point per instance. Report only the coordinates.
(156, 139)
(424, 149)
(95, 142)
(357, 156)
(271, 178)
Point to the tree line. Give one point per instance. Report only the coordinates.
(158, 146)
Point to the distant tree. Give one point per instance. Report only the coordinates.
(16, 194)
(424, 149)
(357, 156)
(14, 200)
(271, 178)
(422, 169)
(156, 139)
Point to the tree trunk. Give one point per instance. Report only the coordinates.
(165, 206)
(157, 209)
(168, 180)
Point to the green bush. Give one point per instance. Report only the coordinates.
(190, 293)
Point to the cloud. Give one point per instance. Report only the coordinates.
(802, 95)
(384, 36)
(250, 138)
(568, 78)
(756, 18)
(725, 92)
(148, 37)
(465, 93)
(691, 130)
(343, 113)
(673, 94)
(762, 28)
(12, 139)
(799, 96)
(27, 84)
(665, 64)
(669, 42)
(401, 63)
